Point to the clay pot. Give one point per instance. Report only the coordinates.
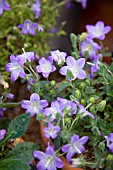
(66, 166)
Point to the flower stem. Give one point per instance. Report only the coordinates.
(2, 105)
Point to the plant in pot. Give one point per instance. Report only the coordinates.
(75, 114)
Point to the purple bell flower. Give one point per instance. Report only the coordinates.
(98, 31)
(4, 6)
(1, 112)
(75, 146)
(75, 66)
(36, 8)
(15, 67)
(2, 134)
(46, 66)
(51, 131)
(28, 26)
(30, 56)
(58, 56)
(35, 105)
(48, 160)
(10, 95)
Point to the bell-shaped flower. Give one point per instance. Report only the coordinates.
(4, 6)
(75, 66)
(2, 134)
(45, 66)
(75, 146)
(35, 105)
(36, 8)
(58, 56)
(28, 27)
(56, 108)
(15, 67)
(51, 131)
(48, 160)
(98, 31)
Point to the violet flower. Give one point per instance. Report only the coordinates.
(84, 111)
(109, 139)
(2, 134)
(70, 107)
(75, 66)
(58, 56)
(48, 160)
(28, 26)
(83, 3)
(36, 8)
(94, 68)
(40, 28)
(4, 6)
(98, 31)
(75, 146)
(55, 108)
(30, 56)
(46, 66)
(89, 46)
(35, 105)
(15, 67)
(10, 95)
(51, 131)
(1, 112)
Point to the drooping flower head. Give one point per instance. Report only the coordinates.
(4, 6)
(2, 134)
(48, 160)
(75, 146)
(15, 67)
(51, 131)
(28, 27)
(45, 66)
(58, 56)
(83, 3)
(75, 66)
(36, 8)
(88, 45)
(98, 31)
(52, 111)
(35, 105)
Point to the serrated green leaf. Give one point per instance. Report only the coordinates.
(14, 164)
(23, 151)
(19, 125)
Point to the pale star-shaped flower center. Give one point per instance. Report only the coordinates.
(60, 57)
(74, 146)
(51, 131)
(16, 67)
(98, 32)
(75, 70)
(35, 105)
(28, 26)
(46, 67)
(49, 160)
(88, 47)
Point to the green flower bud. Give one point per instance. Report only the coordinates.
(53, 82)
(83, 101)
(81, 85)
(82, 36)
(52, 91)
(47, 85)
(91, 99)
(68, 121)
(77, 93)
(110, 157)
(87, 82)
(39, 116)
(100, 107)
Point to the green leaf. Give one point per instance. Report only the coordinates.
(14, 164)
(19, 125)
(23, 151)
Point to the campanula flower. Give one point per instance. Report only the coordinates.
(52, 111)
(94, 68)
(48, 160)
(2, 134)
(88, 45)
(109, 139)
(58, 56)
(75, 146)
(10, 95)
(70, 107)
(4, 6)
(83, 3)
(75, 66)
(84, 111)
(40, 28)
(98, 31)
(1, 112)
(30, 56)
(15, 67)
(51, 131)
(36, 8)
(28, 27)
(46, 66)
(35, 105)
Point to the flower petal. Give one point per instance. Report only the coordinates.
(34, 97)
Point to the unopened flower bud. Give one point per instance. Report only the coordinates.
(82, 36)
(82, 102)
(110, 157)
(52, 91)
(53, 82)
(100, 107)
(91, 99)
(77, 93)
(87, 82)
(82, 85)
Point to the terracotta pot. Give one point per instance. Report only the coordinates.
(66, 166)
